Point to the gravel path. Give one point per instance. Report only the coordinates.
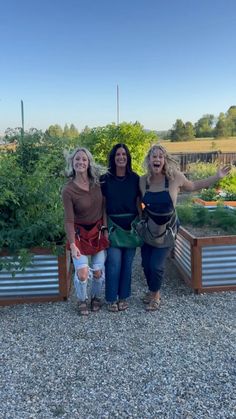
(178, 362)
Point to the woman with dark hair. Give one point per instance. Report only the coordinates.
(83, 206)
(120, 188)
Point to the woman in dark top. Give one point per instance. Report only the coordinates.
(120, 188)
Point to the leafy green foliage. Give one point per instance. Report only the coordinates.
(204, 126)
(200, 216)
(31, 178)
(207, 126)
(210, 195)
(182, 131)
(228, 184)
(213, 195)
(55, 131)
(195, 215)
(100, 141)
(202, 170)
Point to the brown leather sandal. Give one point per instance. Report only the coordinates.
(95, 304)
(146, 298)
(112, 307)
(122, 305)
(83, 308)
(153, 305)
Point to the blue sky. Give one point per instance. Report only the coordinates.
(171, 59)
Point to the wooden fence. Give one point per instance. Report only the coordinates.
(185, 159)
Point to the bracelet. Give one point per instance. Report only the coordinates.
(103, 228)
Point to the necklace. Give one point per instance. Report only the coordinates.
(81, 183)
(120, 178)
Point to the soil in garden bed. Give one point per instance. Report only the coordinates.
(206, 231)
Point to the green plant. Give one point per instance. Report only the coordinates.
(199, 216)
(219, 196)
(201, 170)
(227, 185)
(100, 140)
(210, 195)
(31, 212)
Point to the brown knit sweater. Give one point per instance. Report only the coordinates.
(81, 207)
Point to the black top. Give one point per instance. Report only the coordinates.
(121, 193)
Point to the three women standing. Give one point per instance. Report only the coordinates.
(120, 186)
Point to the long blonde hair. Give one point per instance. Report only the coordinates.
(94, 171)
(170, 164)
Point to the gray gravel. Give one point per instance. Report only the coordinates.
(178, 362)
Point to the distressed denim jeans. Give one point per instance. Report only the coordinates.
(97, 263)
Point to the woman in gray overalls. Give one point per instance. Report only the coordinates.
(160, 187)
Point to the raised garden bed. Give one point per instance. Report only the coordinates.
(206, 263)
(47, 278)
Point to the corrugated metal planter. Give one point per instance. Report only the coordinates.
(206, 263)
(47, 278)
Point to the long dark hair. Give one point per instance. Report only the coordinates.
(111, 159)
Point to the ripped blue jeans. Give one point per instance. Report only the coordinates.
(97, 264)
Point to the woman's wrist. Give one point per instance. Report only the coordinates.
(104, 228)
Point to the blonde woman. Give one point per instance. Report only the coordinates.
(83, 207)
(160, 187)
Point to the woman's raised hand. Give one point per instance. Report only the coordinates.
(224, 171)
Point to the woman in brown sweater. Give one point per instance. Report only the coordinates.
(83, 206)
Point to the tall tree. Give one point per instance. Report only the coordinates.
(222, 128)
(54, 131)
(231, 118)
(189, 131)
(71, 132)
(177, 131)
(204, 126)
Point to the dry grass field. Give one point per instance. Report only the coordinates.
(201, 145)
(196, 146)
(7, 147)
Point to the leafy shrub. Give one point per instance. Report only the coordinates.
(31, 211)
(201, 170)
(100, 141)
(216, 195)
(227, 185)
(199, 216)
